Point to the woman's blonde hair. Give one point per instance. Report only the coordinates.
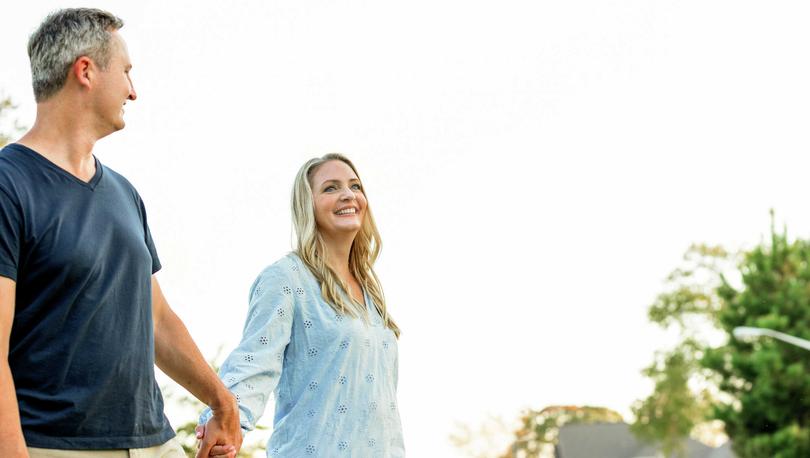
(311, 249)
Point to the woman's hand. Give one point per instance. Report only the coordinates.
(217, 451)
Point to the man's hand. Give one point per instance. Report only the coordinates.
(206, 433)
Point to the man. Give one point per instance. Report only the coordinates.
(82, 317)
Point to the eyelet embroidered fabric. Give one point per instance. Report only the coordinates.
(328, 372)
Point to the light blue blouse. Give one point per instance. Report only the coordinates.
(334, 377)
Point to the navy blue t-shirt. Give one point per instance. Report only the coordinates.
(82, 345)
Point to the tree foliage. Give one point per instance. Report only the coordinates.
(540, 429)
(675, 408)
(761, 389)
(682, 397)
(768, 380)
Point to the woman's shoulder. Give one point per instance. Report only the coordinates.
(289, 268)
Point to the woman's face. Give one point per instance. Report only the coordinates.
(340, 204)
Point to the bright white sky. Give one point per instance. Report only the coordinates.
(536, 168)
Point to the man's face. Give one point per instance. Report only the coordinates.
(113, 88)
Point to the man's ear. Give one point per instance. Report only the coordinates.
(83, 69)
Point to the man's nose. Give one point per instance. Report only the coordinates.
(132, 94)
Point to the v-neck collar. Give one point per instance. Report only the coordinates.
(91, 185)
(366, 302)
(371, 307)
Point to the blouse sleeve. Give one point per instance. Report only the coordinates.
(252, 371)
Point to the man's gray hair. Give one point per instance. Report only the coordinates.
(64, 36)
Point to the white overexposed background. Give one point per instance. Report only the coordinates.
(536, 168)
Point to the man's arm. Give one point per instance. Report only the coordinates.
(12, 442)
(177, 355)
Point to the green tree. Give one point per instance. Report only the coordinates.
(682, 398)
(760, 390)
(669, 416)
(540, 429)
(767, 381)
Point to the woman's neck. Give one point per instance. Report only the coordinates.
(337, 254)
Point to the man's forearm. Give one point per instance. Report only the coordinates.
(177, 355)
(12, 443)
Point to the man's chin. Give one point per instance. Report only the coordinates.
(112, 129)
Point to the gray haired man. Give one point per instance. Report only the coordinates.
(82, 318)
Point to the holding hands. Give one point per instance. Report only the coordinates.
(221, 436)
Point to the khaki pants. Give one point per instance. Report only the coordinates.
(170, 449)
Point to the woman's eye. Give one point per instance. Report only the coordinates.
(357, 187)
(329, 188)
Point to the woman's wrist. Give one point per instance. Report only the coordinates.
(224, 403)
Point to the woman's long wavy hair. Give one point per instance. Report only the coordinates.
(311, 248)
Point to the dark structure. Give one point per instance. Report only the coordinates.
(614, 440)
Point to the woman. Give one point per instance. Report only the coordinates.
(318, 333)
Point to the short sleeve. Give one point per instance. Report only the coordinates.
(150, 244)
(10, 235)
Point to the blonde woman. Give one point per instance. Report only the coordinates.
(318, 333)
